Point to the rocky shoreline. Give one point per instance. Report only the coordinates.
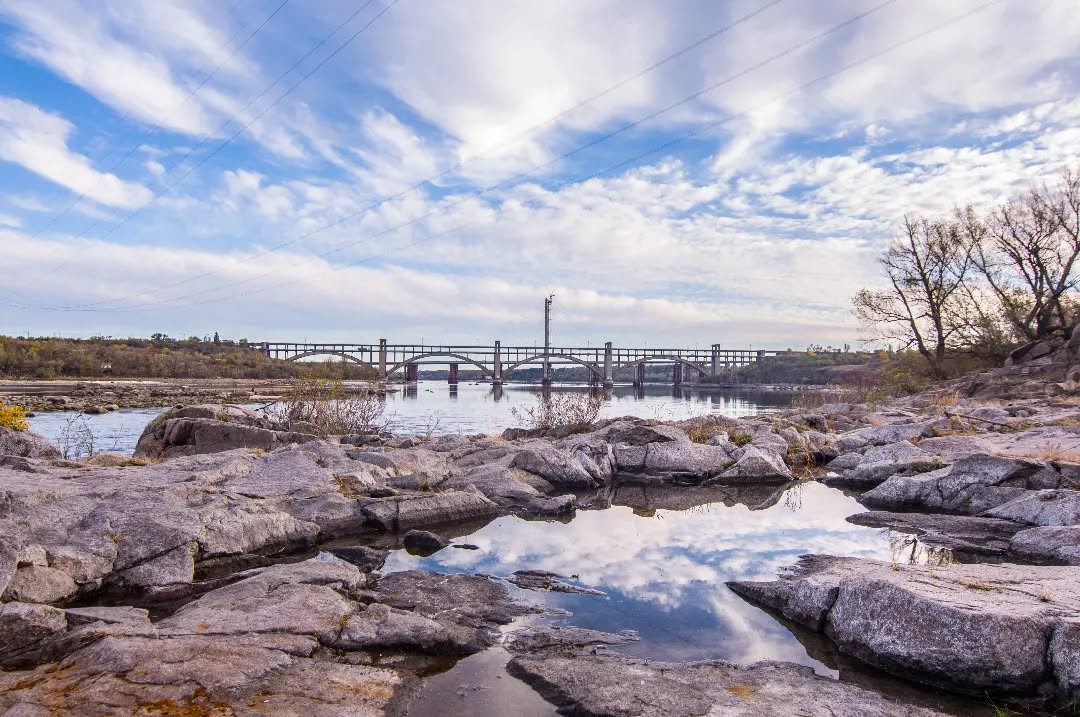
(191, 577)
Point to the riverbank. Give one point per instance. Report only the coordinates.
(267, 560)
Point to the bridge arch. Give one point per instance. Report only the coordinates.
(464, 359)
(596, 370)
(703, 370)
(339, 354)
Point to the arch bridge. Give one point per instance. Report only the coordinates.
(497, 362)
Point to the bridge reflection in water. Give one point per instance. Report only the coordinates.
(497, 363)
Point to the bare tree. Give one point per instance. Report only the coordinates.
(1027, 251)
(925, 305)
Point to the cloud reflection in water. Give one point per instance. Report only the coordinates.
(664, 570)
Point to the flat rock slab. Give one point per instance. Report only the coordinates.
(994, 629)
(606, 685)
(963, 535)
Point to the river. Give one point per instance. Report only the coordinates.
(436, 407)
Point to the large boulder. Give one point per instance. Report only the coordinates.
(757, 465)
(963, 536)
(211, 429)
(971, 486)
(25, 444)
(877, 463)
(674, 462)
(563, 469)
(980, 629)
(1052, 544)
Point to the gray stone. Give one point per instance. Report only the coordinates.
(114, 615)
(38, 584)
(25, 444)
(881, 435)
(962, 535)
(560, 468)
(363, 557)
(553, 506)
(23, 625)
(1041, 507)
(405, 512)
(880, 462)
(981, 629)
(470, 600)
(547, 581)
(971, 486)
(380, 627)
(1053, 544)
(758, 465)
(556, 639)
(608, 685)
(674, 462)
(641, 434)
(423, 542)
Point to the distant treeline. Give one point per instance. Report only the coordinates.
(157, 357)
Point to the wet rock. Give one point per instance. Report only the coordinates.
(980, 629)
(1052, 544)
(500, 484)
(422, 542)
(608, 685)
(963, 535)
(25, 444)
(367, 559)
(757, 465)
(37, 584)
(548, 581)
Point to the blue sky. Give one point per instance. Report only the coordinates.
(449, 166)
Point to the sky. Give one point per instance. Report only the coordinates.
(680, 173)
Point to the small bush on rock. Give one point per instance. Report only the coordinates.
(13, 417)
(573, 410)
(324, 406)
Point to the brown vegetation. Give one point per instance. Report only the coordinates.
(158, 357)
(574, 410)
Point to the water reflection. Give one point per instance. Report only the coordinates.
(662, 557)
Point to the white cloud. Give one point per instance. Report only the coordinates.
(37, 141)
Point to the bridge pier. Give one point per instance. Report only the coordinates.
(412, 373)
(382, 359)
(453, 380)
(609, 372)
(497, 374)
(639, 375)
(676, 374)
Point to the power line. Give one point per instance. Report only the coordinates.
(610, 168)
(80, 196)
(189, 152)
(506, 182)
(655, 150)
(434, 178)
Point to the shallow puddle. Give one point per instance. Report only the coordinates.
(661, 558)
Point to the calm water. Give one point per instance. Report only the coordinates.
(662, 559)
(467, 408)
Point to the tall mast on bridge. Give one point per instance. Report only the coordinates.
(546, 377)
